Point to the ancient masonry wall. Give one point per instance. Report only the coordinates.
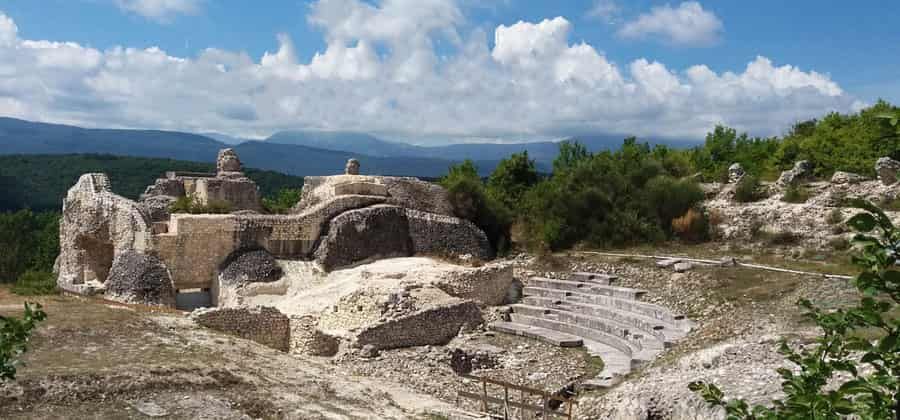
(306, 338)
(430, 326)
(195, 245)
(262, 324)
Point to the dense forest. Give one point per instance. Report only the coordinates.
(39, 182)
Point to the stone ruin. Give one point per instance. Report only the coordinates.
(307, 281)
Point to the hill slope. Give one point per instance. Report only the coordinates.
(40, 182)
(25, 137)
(542, 152)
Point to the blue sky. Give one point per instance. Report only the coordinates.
(829, 46)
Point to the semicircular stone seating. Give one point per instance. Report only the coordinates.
(609, 321)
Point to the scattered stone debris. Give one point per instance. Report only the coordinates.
(683, 266)
(801, 171)
(887, 170)
(735, 173)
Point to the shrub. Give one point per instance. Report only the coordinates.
(784, 237)
(34, 283)
(191, 204)
(715, 220)
(748, 190)
(471, 201)
(14, 335)
(283, 202)
(670, 198)
(795, 194)
(511, 178)
(693, 226)
(843, 374)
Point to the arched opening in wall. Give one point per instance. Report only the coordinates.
(98, 252)
(190, 299)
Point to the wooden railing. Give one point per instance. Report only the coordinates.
(526, 409)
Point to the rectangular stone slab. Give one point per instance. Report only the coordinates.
(537, 333)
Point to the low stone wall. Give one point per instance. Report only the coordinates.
(262, 324)
(428, 326)
(309, 340)
(486, 285)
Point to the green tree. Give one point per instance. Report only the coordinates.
(29, 241)
(512, 178)
(869, 383)
(283, 202)
(470, 201)
(571, 153)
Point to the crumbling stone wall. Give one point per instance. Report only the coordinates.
(341, 220)
(262, 324)
(435, 234)
(428, 326)
(96, 225)
(306, 338)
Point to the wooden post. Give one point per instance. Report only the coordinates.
(505, 402)
(484, 402)
(522, 412)
(544, 402)
(569, 408)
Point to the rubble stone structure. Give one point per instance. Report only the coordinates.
(340, 221)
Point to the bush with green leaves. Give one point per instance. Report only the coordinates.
(796, 194)
(471, 201)
(511, 178)
(845, 373)
(283, 202)
(35, 283)
(14, 335)
(748, 190)
(606, 198)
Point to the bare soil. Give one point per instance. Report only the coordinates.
(95, 359)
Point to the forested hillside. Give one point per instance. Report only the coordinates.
(40, 182)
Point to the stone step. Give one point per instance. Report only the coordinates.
(629, 348)
(585, 287)
(615, 365)
(643, 308)
(598, 278)
(636, 337)
(665, 332)
(548, 336)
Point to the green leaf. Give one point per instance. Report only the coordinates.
(888, 343)
(862, 222)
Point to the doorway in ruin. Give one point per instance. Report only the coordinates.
(190, 299)
(97, 254)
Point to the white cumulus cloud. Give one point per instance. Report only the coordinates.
(160, 10)
(533, 82)
(605, 10)
(688, 24)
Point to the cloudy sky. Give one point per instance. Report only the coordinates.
(432, 71)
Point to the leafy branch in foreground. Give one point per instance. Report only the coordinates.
(845, 372)
(14, 334)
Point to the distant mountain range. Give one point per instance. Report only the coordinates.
(542, 152)
(291, 152)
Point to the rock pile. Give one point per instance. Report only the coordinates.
(887, 170)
